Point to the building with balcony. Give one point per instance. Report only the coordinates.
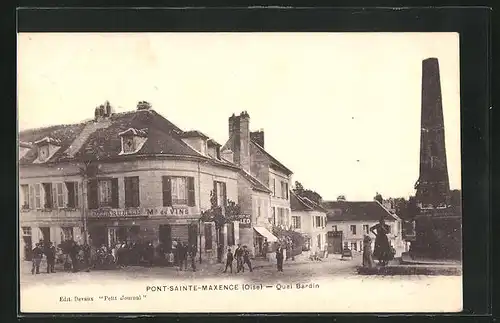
(309, 218)
(263, 185)
(131, 176)
(350, 221)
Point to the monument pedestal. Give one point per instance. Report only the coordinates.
(438, 236)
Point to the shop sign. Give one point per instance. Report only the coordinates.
(245, 221)
(115, 213)
(167, 211)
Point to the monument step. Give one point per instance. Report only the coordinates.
(416, 260)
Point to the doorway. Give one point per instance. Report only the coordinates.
(335, 242)
(45, 235)
(193, 234)
(165, 236)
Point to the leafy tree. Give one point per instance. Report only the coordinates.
(220, 215)
(312, 195)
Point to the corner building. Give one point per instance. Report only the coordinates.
(130, 176)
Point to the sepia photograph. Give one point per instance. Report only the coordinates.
(239, 172)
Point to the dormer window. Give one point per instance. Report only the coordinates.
(47, 147)
(132, 140)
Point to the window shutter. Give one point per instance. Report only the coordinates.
(167, 190)
(65, 195)
(114, 193)
(32, 197)
(128, 191)
(92, 193)
(54, 195)
(216, 197)
(224, 193)
(135, 190)
(76, 185)
(191, 194)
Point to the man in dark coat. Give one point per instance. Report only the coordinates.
(246, 259)
(182, 255)
(238, 254)
(37, 253)
(279, 258)
(192, 255)
(229, 261)
(86, 255)
(50, 254)
(73, 254)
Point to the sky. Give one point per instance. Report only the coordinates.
(341, 110)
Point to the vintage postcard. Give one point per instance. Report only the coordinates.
(239, 172)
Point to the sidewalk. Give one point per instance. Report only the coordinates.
(407, 259)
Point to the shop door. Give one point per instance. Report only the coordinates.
(98, 236)
(45, 234)
(193, 235)
(165, 236)
(27, 247)
(335, 242)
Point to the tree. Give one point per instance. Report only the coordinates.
(312, 195)
(220, 215)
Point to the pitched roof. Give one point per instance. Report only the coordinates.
(274, 161)
(163, 137)
(256, 184)
(302, 203)
(356, 211)
(193, 133)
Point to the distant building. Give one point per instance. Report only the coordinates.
(309, 219)
(354, 220)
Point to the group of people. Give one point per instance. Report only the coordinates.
(242, 255)
(72, 255)
(383, 250)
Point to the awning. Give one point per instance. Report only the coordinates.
(266, 234)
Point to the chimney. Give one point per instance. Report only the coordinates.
(244, 140)
(231, 124)
(258, 137)
(143, 105)
(107, 109)
(228, 155)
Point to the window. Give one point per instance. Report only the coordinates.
(132, 191)
(230, 234)
(281, 216)
(128, 144)
(353, 229)
(105, 193)
(25, 196)
(346, 245)
(66, 234)
(43, 152)
(274, 186)
(178, 191)
(59, 195)
(389, 227)
(220, 193)
(274, 215)
(284, 190)
(296, 222)
(354, 246)
(72, 188)
(47, 191)
(366, 228)
(334, 228)
(318, 221)
(318, 240)
(37, 195)
(26, 231)
(258, 209)
(208, 236)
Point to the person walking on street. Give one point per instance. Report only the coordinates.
(50, 254)
(182, 248)
(246, 259)
(86, 255)
(238, 254)
(192, 255)
(73, 255)
(279, 258)
(229, 261)
(37, 253)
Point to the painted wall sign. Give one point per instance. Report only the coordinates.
(245, 221)
(167, 211)
(114, 213)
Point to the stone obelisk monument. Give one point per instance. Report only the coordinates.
(437, 224)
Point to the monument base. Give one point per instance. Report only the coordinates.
(437, 237)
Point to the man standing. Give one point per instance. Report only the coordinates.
(238, 254)
(246, 259)
(50, 254)
(86, 255)
(192, 254)
(37, 253)
(279, 258)
(229, 260)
